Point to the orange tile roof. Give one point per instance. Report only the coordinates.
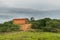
(20, 18)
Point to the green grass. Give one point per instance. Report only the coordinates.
(49, 36)
(30, 36)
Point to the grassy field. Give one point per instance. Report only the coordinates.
(30, 36)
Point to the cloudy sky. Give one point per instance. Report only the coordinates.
(10, 9)
(35, 4)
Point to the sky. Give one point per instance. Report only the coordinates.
(10, 9)
(35, 4)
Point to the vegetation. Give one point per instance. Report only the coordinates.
(8, 27)
(30, 36)
(44, 30)
(46, 24)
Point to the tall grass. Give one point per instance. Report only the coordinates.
(30, 36)
(19, 36)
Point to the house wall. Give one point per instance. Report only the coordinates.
(25, 27)
(20, 21)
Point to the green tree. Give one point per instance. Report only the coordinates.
(8, 26)
(32, 19)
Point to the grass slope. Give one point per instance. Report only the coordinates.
(30, 36)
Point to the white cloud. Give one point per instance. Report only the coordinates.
(38, 4)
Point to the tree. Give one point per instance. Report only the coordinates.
(8, 26)
(52, 26)
(32, 19)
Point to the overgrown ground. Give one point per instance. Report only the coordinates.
(30, 36)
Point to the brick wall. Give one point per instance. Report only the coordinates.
(20, 21)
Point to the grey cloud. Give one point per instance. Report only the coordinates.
(5, 17)
(11, 13)
(17, 10)
(38, 4)
(10, 9)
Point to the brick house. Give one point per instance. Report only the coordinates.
(20, 21)
(23, 22)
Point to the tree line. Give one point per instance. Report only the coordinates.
(46, 24)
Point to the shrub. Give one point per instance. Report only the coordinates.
(8, 27)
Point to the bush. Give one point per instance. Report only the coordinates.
(46, 24)
(8, 27)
